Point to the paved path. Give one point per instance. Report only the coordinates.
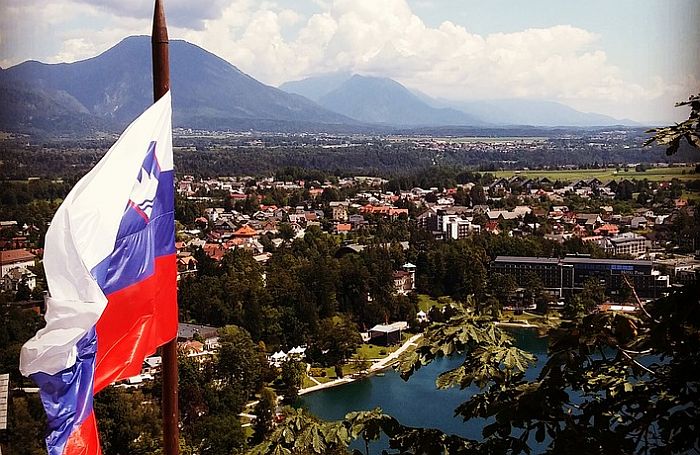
(515, 324)
(326, 385)
(386, 361)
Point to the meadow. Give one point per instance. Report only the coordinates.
(654, 174)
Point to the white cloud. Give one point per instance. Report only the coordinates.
(275, 43)
(386, 38)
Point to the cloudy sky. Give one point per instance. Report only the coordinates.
(625, 58)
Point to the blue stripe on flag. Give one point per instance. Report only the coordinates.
(67, 395)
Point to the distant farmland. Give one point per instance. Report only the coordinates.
(653, 174)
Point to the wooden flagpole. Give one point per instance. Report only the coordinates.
(161, 85)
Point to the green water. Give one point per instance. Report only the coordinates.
(416, 402)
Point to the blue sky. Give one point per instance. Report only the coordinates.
(625, 58)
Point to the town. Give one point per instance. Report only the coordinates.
(298, 280)
(611, 231)
(338, 227)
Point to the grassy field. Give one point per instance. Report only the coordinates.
(425, 302)
(372, 351)
(306, 382)
(655, 174)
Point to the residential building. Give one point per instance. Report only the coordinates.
(627, 243)
(12, 280)
(11, 259)
(454, 227)
(405, 280)
(387, 334)
(188, 331)
(339, 211)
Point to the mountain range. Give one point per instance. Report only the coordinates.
(385, 101)
(111, 89)
(380, 100)
(106, 92)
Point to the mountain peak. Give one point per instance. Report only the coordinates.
(115, 87)
(386, 101)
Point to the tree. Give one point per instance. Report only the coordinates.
(23, 292)
(534, 290)
(292, 376)
(671, 136)
(493, 307)
(239, 360)
(477, 195)
(303, 434)
(502, 287)
(362, 363)
(219, 434)
(16, 327)
(624, 191)
(126, 420)
(192, 385)
(581, 304)
(25, 421)
(264, 414)
(339, 337)
(286, 231)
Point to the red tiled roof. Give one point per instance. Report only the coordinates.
(607, 228)
(214, 251)
(245, 231)
(13, 256)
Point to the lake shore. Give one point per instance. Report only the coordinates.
(377, 366)
(524, 324)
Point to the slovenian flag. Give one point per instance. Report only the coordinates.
(111, 270)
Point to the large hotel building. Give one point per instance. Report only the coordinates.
(565, 276)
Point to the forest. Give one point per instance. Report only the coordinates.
(216, 157)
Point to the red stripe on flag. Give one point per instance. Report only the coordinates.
(135, 322)
(84, 440)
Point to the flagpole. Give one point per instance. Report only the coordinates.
(161, 85)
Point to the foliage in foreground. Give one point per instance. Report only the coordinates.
(613, 383)
(672, 136)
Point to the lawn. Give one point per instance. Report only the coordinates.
(330, 375)
(654, 174)
(306, 382)
(533, 319)
(425, 302)
(348, 369)
(367, 352)
(372, 351)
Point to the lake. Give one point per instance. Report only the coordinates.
(417, 402)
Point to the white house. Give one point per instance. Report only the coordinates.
(11, 259)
